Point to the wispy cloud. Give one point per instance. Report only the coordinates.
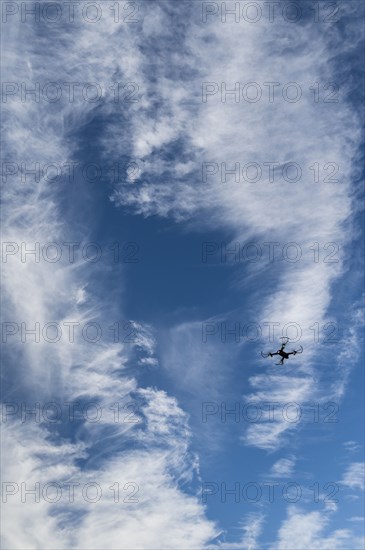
(240, 132)
(310, 530)
(146, 477)
(170, 132)
(352, 446)
(152, 451)
(354, 477)
(284, 467)
(251, 527)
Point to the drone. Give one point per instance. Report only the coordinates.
(283, 354)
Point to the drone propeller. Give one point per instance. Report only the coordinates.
(264, 355)
(285, 338)
(299, 350)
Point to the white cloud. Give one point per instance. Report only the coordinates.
(354, 477)
(252, 530)
(252, 527)
(41, 292)
(284, 398)
(352, 446)
(306, 132)
(162, 514)
(153, 452)
(310, 530)
(284, 467)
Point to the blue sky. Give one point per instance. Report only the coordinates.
(149, 400)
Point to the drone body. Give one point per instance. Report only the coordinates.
(283, 354)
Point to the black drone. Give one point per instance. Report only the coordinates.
(283, 354)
